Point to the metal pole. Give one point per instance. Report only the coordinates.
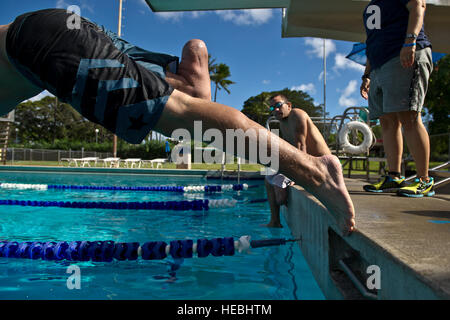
(119, 33)
(324, 85)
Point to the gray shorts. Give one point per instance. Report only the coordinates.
(395, 89)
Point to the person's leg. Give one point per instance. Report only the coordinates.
(392, 140)
(417, 140)
(19, 88)
(281, 195)
(274, 207)
(192, 76)
(131, 119)
(393, 149)
(322, 176)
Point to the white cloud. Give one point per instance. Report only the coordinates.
(316, 45)
(197, 14)
(266, 81)
(85, 5)
(40, 96)
(321, 76)
(306, 88)
(342, 63)
(238, 17)
(246, 17)
(177, 16)
(174, 16)
(61, 4)
(345, 99)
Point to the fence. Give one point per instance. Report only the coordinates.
(19, 154)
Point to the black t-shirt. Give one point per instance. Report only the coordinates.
(386, 23)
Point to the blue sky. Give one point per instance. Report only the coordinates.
(248, 41)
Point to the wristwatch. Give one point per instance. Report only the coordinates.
(411, 36)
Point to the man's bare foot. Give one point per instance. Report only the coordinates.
(192, 76)
(333, 193)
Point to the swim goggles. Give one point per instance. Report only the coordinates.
(276, 106)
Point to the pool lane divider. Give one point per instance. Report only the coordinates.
(107, 251)
(190, 189)
(184, 205)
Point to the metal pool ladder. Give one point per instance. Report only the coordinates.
(435, 172)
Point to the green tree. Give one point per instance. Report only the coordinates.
(437, 103)
(211, 65)
(438, 97)
(257, 107)
(49, 120)
(219, 74)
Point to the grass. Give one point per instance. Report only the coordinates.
(374, 167)
(357, 166)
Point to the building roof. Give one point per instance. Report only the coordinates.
(331, 19)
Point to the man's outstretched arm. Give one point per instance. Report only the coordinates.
(301, 127)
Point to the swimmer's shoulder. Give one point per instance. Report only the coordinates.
(299, 116)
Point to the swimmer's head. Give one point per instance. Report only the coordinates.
(280, 107)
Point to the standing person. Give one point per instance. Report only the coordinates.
(297, 128)
(395, 82)
(86, 68)
(167, 147)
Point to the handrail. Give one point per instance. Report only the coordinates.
(443, 165)
(356, 282)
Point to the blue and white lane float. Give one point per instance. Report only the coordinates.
(184, 205)
(190, 189)
(107, 251)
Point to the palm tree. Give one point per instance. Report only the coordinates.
(211, 65)
(219, 74)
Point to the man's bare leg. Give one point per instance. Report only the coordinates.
(274, 204)
(192, 76)
(392, 140)
(417, 139)
(321, 176)
(14, 87)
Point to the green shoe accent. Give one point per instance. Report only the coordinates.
(386, 184)
(418, 189)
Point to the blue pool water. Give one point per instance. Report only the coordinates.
(264, 273)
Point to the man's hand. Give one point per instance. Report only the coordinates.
(364, 90)
(407, 55)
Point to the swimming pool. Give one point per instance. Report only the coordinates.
(265, 273)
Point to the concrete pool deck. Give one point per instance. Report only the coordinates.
(407, 238)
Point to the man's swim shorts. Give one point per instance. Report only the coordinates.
(107, 80)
